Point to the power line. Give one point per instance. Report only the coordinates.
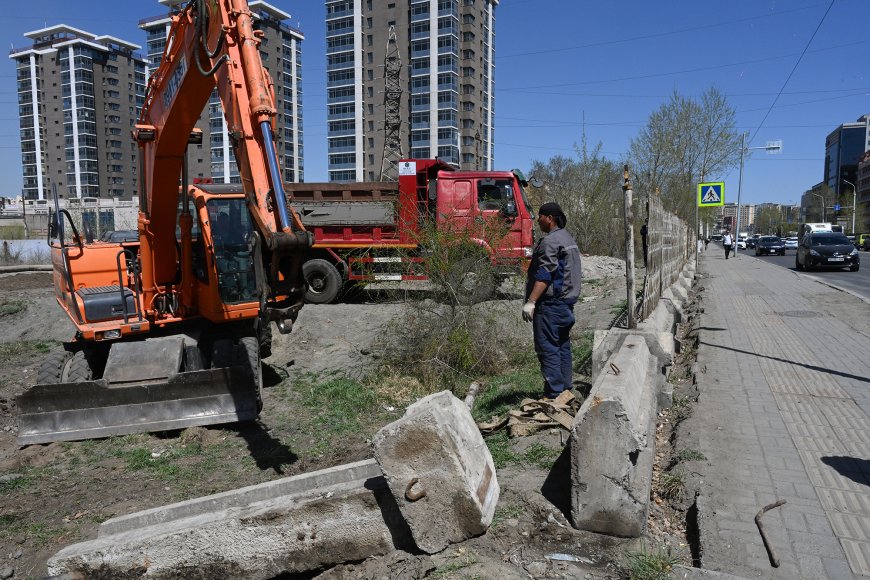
(705, 68)
(655, 35)
(794, 68)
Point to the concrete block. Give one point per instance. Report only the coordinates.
(291, 525)
(680, 293)
(613, 446)
(439, 470)
(604, 344)
(660, 344)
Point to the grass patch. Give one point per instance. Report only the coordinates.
(511, 389)
(506, 513)
(13, 484)
(464, 559)
(619, 307)
(690, 455)
(673, 485)
(643, 565)
(681, 409)
(338, 404)
(8, 307)
(593, 281)
(12, 526)
(540, 456)
(499, 446)
(21, 347)
(581, 352)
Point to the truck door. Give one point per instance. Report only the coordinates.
(497, 210)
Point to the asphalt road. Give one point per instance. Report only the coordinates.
(856, 282)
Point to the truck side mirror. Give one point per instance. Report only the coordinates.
(509, 209)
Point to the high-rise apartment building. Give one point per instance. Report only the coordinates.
(447, 111)
(844, 146)
(281, 51)
(79, 95)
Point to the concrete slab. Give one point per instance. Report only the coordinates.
(439, 470)
(613, 446)
(291, 525)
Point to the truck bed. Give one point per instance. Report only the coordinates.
(351, 215)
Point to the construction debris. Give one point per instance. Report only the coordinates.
(534, 415)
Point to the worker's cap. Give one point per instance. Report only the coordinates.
(551, 208)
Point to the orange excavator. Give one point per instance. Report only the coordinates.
(171, 324)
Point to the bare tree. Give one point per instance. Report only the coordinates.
(684, 142)
(588, 190)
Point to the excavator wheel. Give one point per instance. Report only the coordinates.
(79, 368)
(247, 356)
(265, 339)
(51, 371)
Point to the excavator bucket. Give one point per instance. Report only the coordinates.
(111, 406)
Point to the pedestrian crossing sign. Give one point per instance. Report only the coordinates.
(711, 194)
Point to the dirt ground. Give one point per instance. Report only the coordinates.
(58, 494)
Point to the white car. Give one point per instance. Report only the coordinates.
(791, 243)
(741, 244)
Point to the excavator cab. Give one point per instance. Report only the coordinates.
(232, 233)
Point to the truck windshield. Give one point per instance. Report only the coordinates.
(493, 194)
(231, 229)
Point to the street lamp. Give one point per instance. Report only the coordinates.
(771, 147)
(854, 200)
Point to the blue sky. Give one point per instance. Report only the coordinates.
(560, 62)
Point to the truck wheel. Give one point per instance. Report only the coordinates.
(324, 281)
(472, 280)
(52, 368)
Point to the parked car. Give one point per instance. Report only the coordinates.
(791, 243)
(826, 249)
(752, 242)
(769, 245)
(741, 243)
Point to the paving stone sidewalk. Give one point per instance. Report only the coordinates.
(783, 413)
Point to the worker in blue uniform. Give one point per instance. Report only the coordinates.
(552, 289)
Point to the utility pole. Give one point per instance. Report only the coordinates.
(854, 201)
(739, 191)
(392, 110)
(629, 247)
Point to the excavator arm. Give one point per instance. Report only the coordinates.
(213, 44)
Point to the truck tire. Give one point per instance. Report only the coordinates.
(471, 280)
(52, 369)
(323, 279)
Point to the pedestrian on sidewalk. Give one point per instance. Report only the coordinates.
(552, 289)
(728, 242)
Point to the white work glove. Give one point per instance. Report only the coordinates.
(528, 311)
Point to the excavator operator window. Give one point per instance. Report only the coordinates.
(231, 234)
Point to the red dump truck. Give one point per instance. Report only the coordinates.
(382, 231)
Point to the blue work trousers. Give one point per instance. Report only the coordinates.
(551, 325)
